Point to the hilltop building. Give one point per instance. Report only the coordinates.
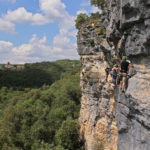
(10, 66)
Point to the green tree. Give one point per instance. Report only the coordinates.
(98, 3)
(81, 18)
(31, 117)
(37, 74)
(67, 136)
(96, 15)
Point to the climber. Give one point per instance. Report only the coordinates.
(123, 73)
(113, 74)
(118, 76)
(107, 70)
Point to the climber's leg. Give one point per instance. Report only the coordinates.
(124, 82)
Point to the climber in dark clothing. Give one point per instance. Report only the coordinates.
(123, 72)
(124, 65)
(107, 70)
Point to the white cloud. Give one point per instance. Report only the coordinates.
(38, 19)
(20, 15)
(38, 50)
(35, 48)
(82, 11)
(7, 26)
(5, 46)
(95, 9)
(67, 25)
(12, 1)
(85, 3)
(61, 41)
(53, 8)
(5, 51)
(92, 10)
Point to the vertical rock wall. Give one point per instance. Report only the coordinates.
(110, 119)
(98, 125)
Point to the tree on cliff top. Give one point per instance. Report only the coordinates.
(98, 3)
(81, 18)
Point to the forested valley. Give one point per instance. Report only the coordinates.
(39, 106)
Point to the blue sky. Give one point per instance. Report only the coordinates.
(39, 30)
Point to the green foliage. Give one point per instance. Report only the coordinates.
(67, 136)
(91, 42)
(41, 145)
(98, 3)
(37, 74)
(32, 119)
(81, 19)
(96, 15)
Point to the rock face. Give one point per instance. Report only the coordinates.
(110, 119)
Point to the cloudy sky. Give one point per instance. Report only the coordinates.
(39, 30)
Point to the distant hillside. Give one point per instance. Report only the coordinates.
(1, 66)
(37, 74)
(44, 118)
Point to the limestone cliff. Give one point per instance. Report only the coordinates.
(110, 119)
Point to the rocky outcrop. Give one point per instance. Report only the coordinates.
(110, 119)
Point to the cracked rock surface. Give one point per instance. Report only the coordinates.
(110, 119)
